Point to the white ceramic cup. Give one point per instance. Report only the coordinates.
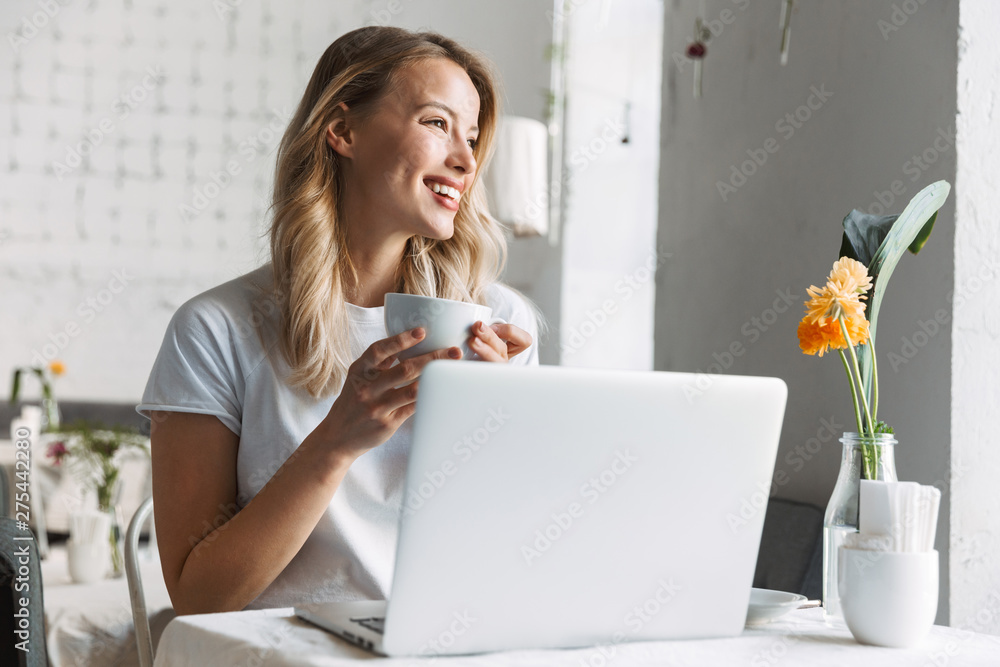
(88, 561)
(888, 598)
(447, 323)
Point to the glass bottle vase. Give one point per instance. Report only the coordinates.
(116, 542)
(51, 415)
(108, 495)
(864, 457)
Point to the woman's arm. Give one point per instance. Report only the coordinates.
(213, 561)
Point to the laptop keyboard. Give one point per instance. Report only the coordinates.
(373, 624)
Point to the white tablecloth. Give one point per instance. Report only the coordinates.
(276, 637)
(91, 624)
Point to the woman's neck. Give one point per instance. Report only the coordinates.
(377, 266)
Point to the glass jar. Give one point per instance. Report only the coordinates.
(864, 457)
(51, 415)
(108, 496)
(116, 542)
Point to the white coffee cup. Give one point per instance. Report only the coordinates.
(88, 561)
(888, 598)
(446, 323)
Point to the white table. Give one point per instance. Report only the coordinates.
(91, 624)
(275, 637)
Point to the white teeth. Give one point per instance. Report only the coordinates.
(445, 190)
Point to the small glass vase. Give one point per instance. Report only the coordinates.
(864, 457)
(115, 542)
(107, 501)
(51, 417)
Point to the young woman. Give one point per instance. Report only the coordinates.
(279, 438)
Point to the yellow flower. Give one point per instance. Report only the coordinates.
(57, 367)
(842, 294)
(829, 303)
(849, 276)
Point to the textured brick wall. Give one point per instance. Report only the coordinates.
(136, 152)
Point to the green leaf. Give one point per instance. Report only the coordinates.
(864, 234)
(915, 222)
(15, 388)
(921, 238)
(882, 427)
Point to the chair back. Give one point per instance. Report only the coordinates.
(4, 493)
(791, 548)
(136, 594)
(21, 580)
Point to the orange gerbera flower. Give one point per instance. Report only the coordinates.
(814, 337)
(818, 337)
(57, 367)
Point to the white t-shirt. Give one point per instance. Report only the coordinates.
(212, 361)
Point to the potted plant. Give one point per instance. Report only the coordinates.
(46, 375)
(94, 452)
(841, 316)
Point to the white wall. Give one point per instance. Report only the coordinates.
(975, 329)
(201, 82)
(516, 35)
(220, 80)
(610, 187)
(741, 265)
(594, 285)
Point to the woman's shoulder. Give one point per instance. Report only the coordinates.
(499, 295)
(235, 306)
(511, 305)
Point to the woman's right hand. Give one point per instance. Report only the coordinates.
(372, 404)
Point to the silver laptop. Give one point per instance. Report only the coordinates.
(555, 507)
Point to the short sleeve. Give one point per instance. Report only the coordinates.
(197, 369)
(515, 309)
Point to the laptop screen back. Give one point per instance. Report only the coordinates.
(555, 507)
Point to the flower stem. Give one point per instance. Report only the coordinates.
(857, 372)
(854, 392)
(876, 451)
(871, 348)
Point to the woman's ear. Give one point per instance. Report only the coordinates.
(338, 133)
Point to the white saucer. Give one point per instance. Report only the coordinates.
(767, 605)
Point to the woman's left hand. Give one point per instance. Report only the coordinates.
(498, 342)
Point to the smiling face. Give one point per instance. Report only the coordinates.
(411, 160)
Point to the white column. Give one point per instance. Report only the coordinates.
(975, 420)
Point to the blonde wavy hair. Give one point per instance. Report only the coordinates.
(310, 261)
